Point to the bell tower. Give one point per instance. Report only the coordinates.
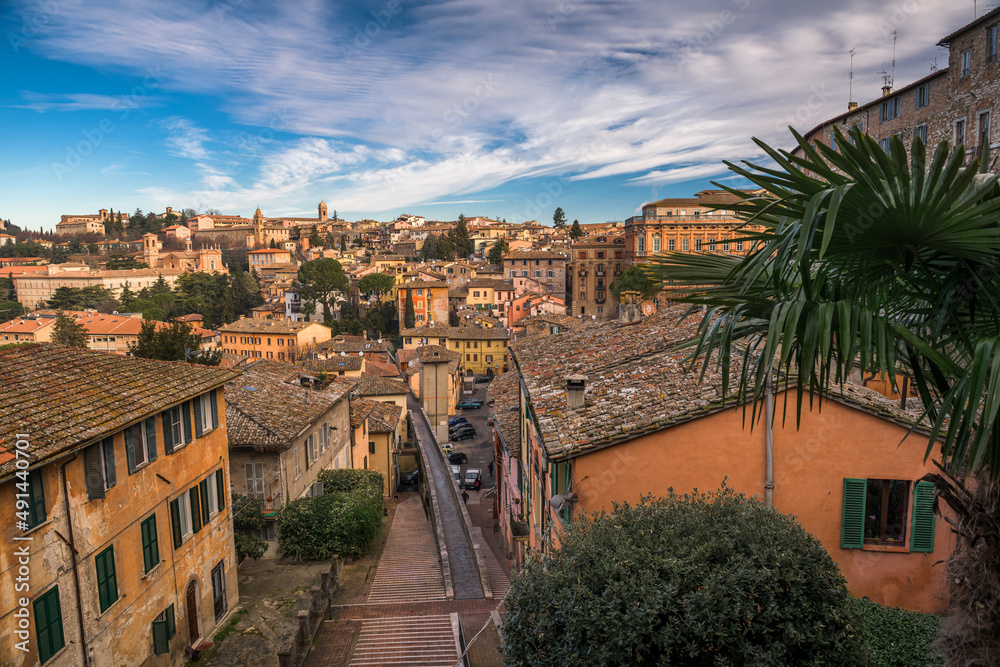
(322, 212)
(258, 228)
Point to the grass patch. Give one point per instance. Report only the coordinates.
(229, 627)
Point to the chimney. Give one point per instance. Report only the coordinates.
(851, 106)
(886, 90)
(576, 386)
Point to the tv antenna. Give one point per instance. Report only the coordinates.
(892, 74)
(850, 85)
(933, 63)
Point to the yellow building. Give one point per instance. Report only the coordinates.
(430, 302)
(124, 553)
(376, 438)
(279, 339)
(483, 350)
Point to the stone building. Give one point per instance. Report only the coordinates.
(277, 339)
(124, 553)
(34, 289)
(954, 104)
(208, 260)
(595, 263)
(70, 225)
(536, 269)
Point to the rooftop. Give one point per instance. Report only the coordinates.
(66, 397)
(703, 198)
(504, 394)
(373, 385)
(457, 333)
(252, 325)
(533, 254)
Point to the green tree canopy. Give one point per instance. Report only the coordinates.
(500, 248)
(710, 579)
(314, 238)
(79, 298)
(409, 315)
(576, 231)
(320, 281)
(634, 279)
(462, 244)
(67, 331)
(123, 260)
(10, 309)
(172, 342)
(559, 218)
(376, 283)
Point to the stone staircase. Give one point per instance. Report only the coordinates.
(410, 569)
(407, 640)
(499, 583)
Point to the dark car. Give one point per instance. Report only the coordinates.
(463, 435)
(411, 477)
(469, 405)
(465, 428)
(455, 421)
(484, 380)
(458, 458)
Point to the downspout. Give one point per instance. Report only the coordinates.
(769, 441)
(76, 571)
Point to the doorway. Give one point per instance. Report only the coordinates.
(192, 613)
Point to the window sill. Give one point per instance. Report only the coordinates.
(886, 547)
(152, 570)
(34, 528)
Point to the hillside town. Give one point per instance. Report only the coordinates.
(243, 438)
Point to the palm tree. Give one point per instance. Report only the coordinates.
(865, 256)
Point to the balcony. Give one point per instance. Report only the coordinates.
(583, 273)
(599, 272)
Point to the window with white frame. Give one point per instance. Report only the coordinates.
(921, 131)
(254, 480)
(966, 57)
(959, 132)
(923, 96)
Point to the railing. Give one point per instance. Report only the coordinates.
(296, 649)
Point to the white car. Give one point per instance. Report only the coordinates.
(472, 476)
(457, 472)
(447, 448)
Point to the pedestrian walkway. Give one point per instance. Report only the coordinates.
(410, 567)
(407, 640)
(499, 583)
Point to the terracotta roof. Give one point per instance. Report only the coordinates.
(372, 385)
(417, 284)
(495, 283)
(266, 411)
(251, 325)
(384, 417)
(66, 397)
(458, 333)
(406, 356)
(534, 254)
(360, 409)
(355, 346)
(381, 370)
(20, 325)
(504, 394)
(338, 363)
(703, 198)
(429, 354)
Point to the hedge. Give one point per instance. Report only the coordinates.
(899, 638)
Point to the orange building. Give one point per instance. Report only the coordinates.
(430, 302)
(266, 257)
(609, 413)
(280, 339)
(124, 552)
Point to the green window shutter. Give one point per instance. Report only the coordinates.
(161, 642)
(195, 510)
(166, 418)
(130, 450)
(175, 522)
(205, 505)
(852, 528)
(110, 477)
(213, 398)
(171, 626)
(36, 498)
(220, 488)
(107, 582)
(48, 624)
(150, 544)
(197, 418)
(151, 438)
(92, 466)
(186, 410)
(922, 532)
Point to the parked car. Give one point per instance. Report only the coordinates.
(486, 379)
(447, 448)
(456, 472)
(454, 421)
(411, 477)
(461, 427)
(469, 405)
(471, 477)
(463, 435)
(458, 457)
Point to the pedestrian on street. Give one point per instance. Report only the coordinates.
(478, 483)
(465, 497)
(490, 468)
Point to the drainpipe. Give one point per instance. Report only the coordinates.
(76, 571)
(769, 441)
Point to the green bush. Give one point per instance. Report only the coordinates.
(710, 579)
(248, 518)
(899, 638)
(341, 522)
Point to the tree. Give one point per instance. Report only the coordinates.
(429, 248)
(576, 231)
(343, 240)
(409, 315)
(314, 238)
(67, 331)
(9, 286)
(376, 283)
(635, 280)
(700, 579)
(559, 218)
(886, 260)
(499, 249)
(335, 218)
(9, 309)
(248, 520)
(173, 342)
(120, 261)
(320, 281)
(126, 298)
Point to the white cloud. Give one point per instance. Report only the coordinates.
(185, 140)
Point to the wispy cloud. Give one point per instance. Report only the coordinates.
(43, 102)
(184, 139)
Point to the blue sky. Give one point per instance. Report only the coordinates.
(381, 107)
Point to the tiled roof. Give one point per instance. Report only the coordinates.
(355, 346)
(417, 284)
(381, 369)
(982, 19)
(251, 325)
(703, 198)
(406, 356)
(64, 397)
(533, 254)
(495, 283)
(267, 412)
(459, 292)
(337, 363)
(384, 417)
(435, 354)
(372, 385)
(360, 409)
(457, 333)
(504, 394)
(19, 325)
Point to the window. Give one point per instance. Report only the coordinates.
(36, 500)
(99, 464)
(984, 130)
(219, 591)
(513, 273)
(884, 143)
(966, 62)
(295, 458)
(48, 624)
(150, 544)
(641, 248)
(991, 44)
(921, 131)
(671, 244)
(164, 628)
(923, 96)
(538, 274)
(180, 518)
(656, 243)
(890, 110)
(685, 244)
(549, 274)
(875, 513)
(140, 444)
(206, 413)
(177, 427)
(107, 582)
(725, 246)
(697, 244)
(960, 131)
(312, 448)
(739, 246)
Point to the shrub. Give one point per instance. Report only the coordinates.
(341, 522)
(711, 579)
(248, 518)
(899, 638)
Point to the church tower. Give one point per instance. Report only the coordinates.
(322, 212)
(151, 250)
(258, 229)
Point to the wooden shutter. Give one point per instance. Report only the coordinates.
(203, 489)
(130, 450)
(195, 509)
(166, 418)
(175, 522)
(198, 431)
(150, 543)
(161, 643)
(922, 532)
(92, 466)
(307, 452)
(186, 410)
(48, 624)
(107, 581)
(110, 477)
(214, 399)
(220, 488)
(150, 429)
(852, 529)
(171, 624)
(36, 497)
